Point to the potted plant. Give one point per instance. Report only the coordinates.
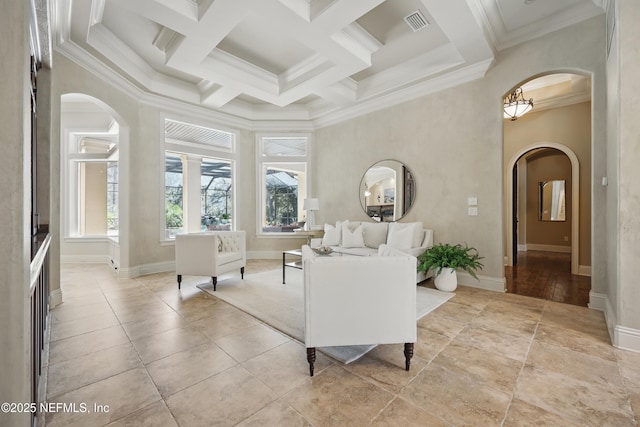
(444, 259)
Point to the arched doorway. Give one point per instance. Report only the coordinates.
(575, 200)
(94, 181)
(560, 120)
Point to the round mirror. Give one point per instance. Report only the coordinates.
(387, 191)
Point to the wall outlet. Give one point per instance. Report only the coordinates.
(473, 211)
(472, 201)
(566, 238)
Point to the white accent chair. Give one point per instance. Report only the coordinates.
(355, 300)
(210, 254)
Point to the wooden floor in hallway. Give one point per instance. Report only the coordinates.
(547, 275)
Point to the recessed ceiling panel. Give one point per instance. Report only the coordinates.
(262, 43)
(386, 22)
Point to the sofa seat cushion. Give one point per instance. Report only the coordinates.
(227, 257)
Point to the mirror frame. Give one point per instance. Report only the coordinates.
(391, 202)
(549, 194)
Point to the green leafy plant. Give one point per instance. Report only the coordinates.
(444, 255)
(173, 215)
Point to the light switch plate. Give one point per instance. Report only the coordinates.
(472, 201)
(473, 211)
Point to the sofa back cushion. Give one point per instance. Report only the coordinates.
(375, 233)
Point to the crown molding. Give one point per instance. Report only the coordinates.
(253, 118)
(437, 84)
(561, 101)
(76, 54)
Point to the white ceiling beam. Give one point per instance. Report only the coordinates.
(342, 13)
(159, 13)
(342, 93)
(302, 8)
(457, 21)
(424, 66)
(219, 96)
(215, 23)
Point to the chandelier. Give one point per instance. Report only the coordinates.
(515, 105)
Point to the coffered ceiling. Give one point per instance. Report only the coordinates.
(312, 60)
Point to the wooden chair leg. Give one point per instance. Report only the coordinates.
(408, 354)
(179, 280)
(242, 272)
(215, 282)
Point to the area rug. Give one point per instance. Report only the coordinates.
(281, 306)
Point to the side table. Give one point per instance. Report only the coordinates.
(293, 264)
(310, 234)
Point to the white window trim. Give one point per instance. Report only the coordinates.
(260, 160)
(193, 149)
(69, 203)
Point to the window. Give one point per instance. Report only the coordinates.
(112, 197)
(216, 194)
(283, 182)
(93, 185)
(198, 179)
(173, 195)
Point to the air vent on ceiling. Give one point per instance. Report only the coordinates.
(416, 20)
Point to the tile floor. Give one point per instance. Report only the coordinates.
(159, 357)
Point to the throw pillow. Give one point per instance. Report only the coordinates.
(400, 237)
(331, 235)
(417, 230)
(375, 233)
(352, 239)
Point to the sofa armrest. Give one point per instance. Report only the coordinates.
(196, 253)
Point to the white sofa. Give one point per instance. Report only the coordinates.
(352, 300)
(210, 254)
(364, 238)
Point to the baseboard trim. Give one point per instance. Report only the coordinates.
(598, 301)
(549, 248)
(621, 336)
(144, 269)
(627, 338)
(584, 270)
(55, 298)
(496, 284)
(522, 248)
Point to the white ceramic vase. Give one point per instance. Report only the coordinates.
(446, 280)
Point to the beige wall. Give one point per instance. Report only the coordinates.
(453, 143)
(569, 126)
(15, 193)
(546, 166)
(93, 212)
(624, 111)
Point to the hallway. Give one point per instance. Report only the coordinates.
(547, 275)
